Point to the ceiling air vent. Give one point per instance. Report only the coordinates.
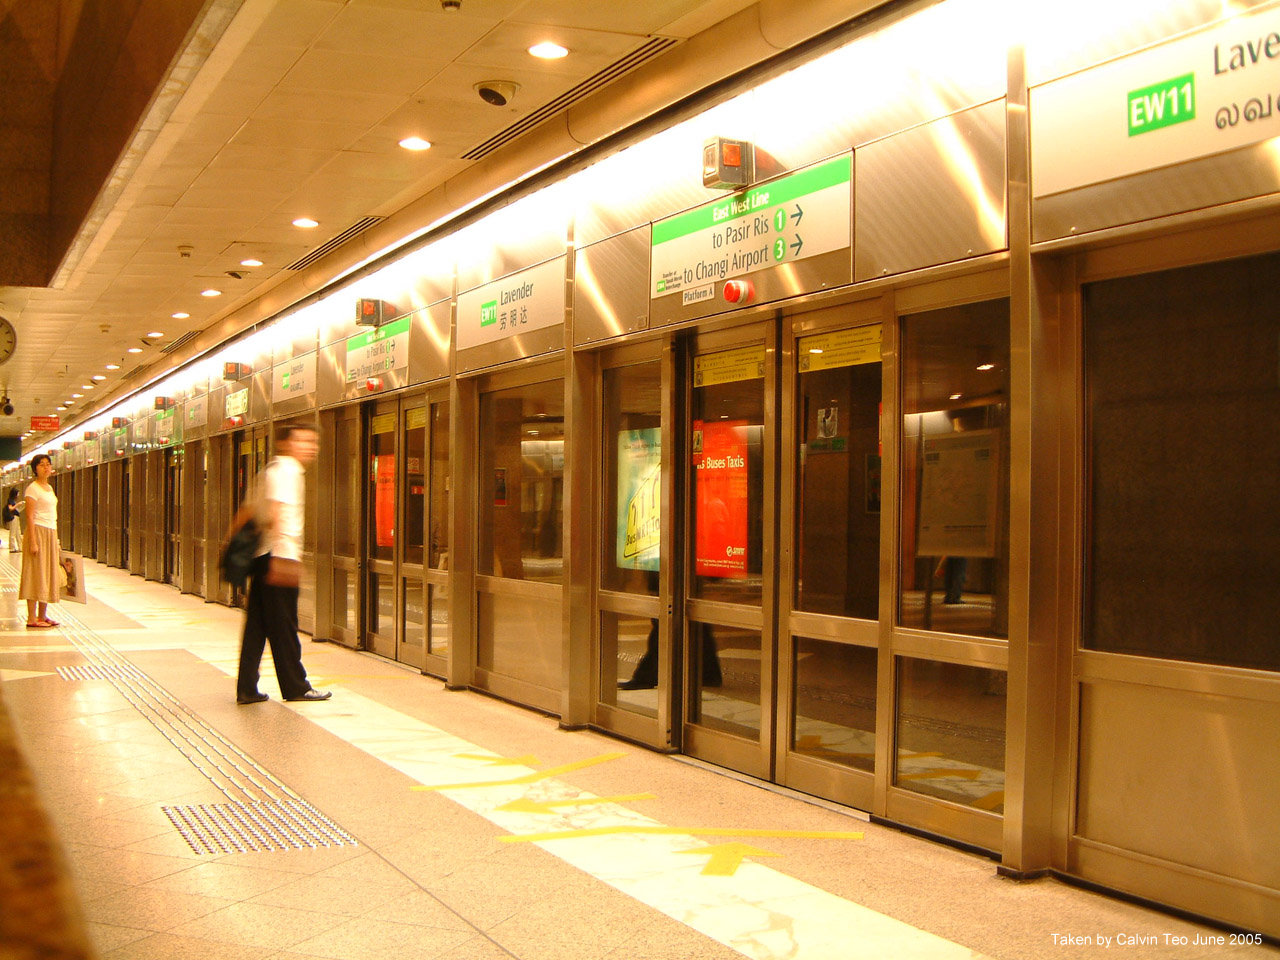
(133, 373)
(186, 337)
(360, 226)
(648, 51)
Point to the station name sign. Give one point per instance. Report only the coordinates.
(528, 300)
(295, 378)
(800, 215)
(1203, 94)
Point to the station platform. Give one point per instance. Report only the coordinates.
(401, 820)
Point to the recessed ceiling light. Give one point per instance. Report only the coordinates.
(98, 377)
(306, 223)
(251, 262)
(180, 315)
(135, 350)
(76, 396)
(415, 143)
(113, 366)
(815, 349)
(986, 366)
(956, 396)
(548, 51)
(155, 335)
(88, 386)
(211, 293)
(59, 409)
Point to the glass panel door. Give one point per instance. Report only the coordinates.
(828, 657)
(172, 514)
(436, 530)
(729, 551)
(634, 672)
(381, 522)
(346, 518)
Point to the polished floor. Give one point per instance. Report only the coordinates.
(400, 820)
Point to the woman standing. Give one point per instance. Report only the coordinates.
(41, 553)
(13, 520)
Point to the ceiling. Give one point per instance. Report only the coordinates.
(280, 109)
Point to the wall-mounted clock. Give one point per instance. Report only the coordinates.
(8, 339)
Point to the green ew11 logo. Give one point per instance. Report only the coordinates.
(488, 313)
(1162, 104)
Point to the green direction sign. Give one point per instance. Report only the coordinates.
(800, 215)
(1162, 104)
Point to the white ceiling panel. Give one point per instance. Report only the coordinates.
(296, 23)
(507, 45)
(336, 71)
(288, 103)
(308, 134)
(371, 33)
(639, 18)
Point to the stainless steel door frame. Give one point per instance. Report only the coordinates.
(382, 418)
(339, 560)
(967, 824)
(825, 777)
(606, 710)
(702, 616)
(433, 581)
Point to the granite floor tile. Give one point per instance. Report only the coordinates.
(165, 946)
(258, 925)
(367, 939)
(147, 908)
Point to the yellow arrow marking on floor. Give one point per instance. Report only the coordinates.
(941, 772)
(528, 777)
(689, 831)
(528, 760)
(727, 857)
(990, 801)
(548, 806)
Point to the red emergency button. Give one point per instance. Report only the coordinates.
(739, 291)
(373, 383)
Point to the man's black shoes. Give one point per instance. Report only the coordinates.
(313, 694)
(252, 698)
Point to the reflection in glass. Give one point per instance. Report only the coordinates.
(951, 732)
(522, 483)
(726, 689)
(415, 483)
(382, 604)
(346, 512)
(344, 601)
(382, 486)
(838, 515)
(632, 477)
(955, 470)
(835, 702)
(415, 633)
(438, 607)
(439, 513)
(629, 662)
(726, 502)
(1183, 535)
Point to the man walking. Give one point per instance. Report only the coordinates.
(277, 572)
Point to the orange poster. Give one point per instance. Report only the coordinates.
(720, 485)
(384, 499)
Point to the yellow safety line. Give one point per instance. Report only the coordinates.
(528, 777)
(692, 831)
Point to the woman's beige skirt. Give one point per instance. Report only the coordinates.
(40, 579)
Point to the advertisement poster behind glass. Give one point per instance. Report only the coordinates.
(639, 498)
(720, 481)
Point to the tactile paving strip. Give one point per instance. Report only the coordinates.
(248, 827)
(91, 672)
(261, 813)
